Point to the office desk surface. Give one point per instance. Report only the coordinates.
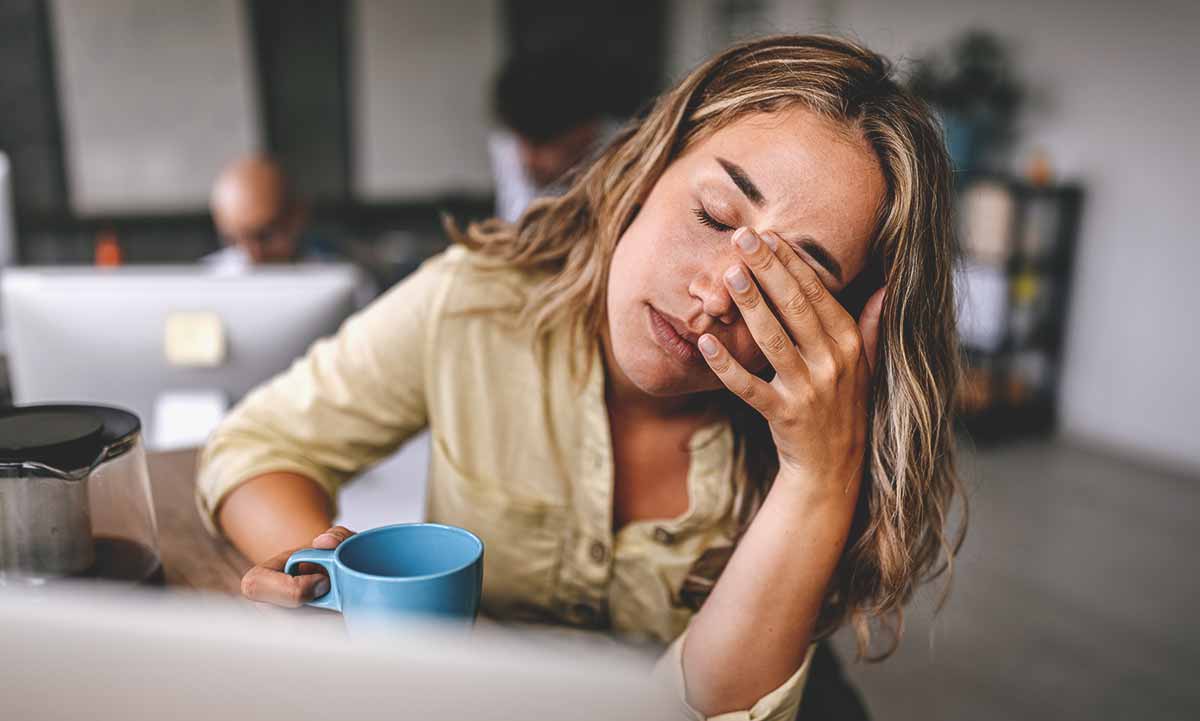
(194, 560)
(191, 558)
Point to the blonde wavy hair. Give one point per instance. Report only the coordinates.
(901, 535)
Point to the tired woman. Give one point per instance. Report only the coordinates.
(703, 398)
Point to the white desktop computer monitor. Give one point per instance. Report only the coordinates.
(8, 223)
(176, 345)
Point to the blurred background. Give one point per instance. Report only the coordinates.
(1072, 128)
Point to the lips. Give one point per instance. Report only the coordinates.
(675, 339)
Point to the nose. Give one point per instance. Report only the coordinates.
(710, 290)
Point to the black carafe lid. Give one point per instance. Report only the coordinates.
(64, 437)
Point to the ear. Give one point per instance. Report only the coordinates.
(868, 326)
(855, 295)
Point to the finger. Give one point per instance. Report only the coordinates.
(278, 561)
(330, 539)
(797, 316)
(776, 344)
(868, 325)
(267, 585)
(837, 323)
(745, 385)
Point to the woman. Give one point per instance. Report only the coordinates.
(704, 397)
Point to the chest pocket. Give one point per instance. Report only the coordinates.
(522, 535)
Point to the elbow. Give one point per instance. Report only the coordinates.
(713, 687)
(712, 701)
(714, 684)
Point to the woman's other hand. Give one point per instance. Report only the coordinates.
(267, 583)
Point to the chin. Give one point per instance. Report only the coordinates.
(657, 375)
(660, 385)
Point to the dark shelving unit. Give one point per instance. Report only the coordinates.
(1011, 384)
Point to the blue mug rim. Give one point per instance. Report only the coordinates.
(476, 558)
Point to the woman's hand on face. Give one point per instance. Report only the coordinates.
(816, 404)
(267, 583)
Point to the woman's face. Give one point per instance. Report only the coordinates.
(793, 172)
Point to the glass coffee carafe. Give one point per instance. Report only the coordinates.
(75, 497)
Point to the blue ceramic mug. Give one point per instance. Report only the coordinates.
(395, 573)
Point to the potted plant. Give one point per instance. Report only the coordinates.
(973, 88)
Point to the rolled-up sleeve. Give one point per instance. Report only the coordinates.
(351, 400)
(781, 704)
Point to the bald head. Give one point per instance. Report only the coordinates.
(253, 208)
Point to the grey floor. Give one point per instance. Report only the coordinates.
(1075, 597)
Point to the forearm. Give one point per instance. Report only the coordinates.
(274, 512)
(752, 633)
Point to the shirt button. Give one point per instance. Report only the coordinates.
(664, 536)
(599, 552)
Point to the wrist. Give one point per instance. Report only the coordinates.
(831, 488)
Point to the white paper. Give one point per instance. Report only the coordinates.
(982, 303)
(988, 210)
(184, 418)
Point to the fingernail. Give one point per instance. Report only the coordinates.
(708, 346)
(321, 588)
(769, 238)
(325, 538)
(737, 279)
(747, 240)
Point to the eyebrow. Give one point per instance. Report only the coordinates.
(743, 182)
(822, 256)
(806, 242)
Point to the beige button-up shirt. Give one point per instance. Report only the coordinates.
(521, 454)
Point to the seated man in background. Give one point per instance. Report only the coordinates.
(258, 217)
(551, 109)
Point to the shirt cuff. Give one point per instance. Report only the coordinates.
(782, 704)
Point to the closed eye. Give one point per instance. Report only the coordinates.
(706, 219)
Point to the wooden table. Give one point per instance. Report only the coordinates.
(191, 557)
(195, 560)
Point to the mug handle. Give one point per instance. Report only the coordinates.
(331, 600)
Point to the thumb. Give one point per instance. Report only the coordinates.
(868, 326)
(331, 538)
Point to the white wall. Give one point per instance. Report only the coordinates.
(1117, 111)
(156, 96)
(697, 29)
(423, 73)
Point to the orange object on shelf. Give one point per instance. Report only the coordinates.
(1017, 390)
(108, 250)
(975, 395)
(1040, 172)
